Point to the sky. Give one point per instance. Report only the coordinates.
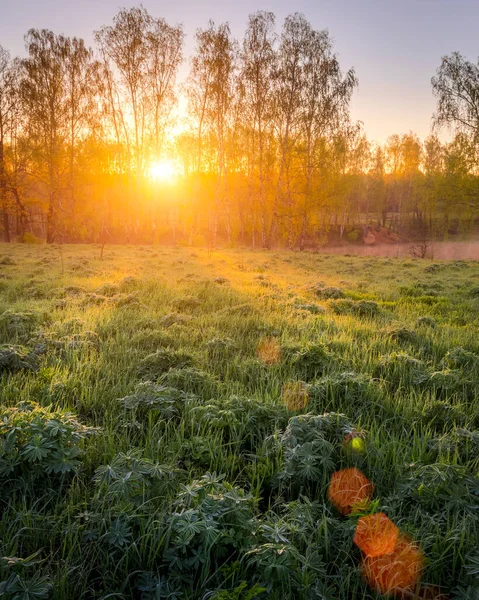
(395, 46)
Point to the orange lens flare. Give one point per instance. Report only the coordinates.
(295, 395)
(398, 573)
(376, 534)
(349, 488)
(269, 351)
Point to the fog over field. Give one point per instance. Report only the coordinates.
(440, 250)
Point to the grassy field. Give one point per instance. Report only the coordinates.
(152, 438)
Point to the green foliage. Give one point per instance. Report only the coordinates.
(190, 379)
(153, 339)
(399, 368)
(334, 392)
(474, 291)
(176, 397)
(129, 477)
(311, 361)
(164, 359)
(459, 358)
(220, 349)
(426, 322)
(18, 588)
(17, 358)
(420, 289)
(461, 443)
(173, 319)
(314, 309)
(212, 521)
(442, 416)
(437, 487)
(18, 324)
(239, 419)
(187, 303)
(402, 334)
(361, 308)
(108, 289)
(37, 442)
(167, 402)
(329, 293)
(242, 592)
(31, 238)
(354, 235)
(311, 447)
(447, 382)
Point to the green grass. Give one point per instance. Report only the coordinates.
(182, 473)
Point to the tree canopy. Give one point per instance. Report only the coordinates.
(256, 146)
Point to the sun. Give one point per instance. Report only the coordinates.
(163, 170)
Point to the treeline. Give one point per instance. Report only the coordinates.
(266, 151)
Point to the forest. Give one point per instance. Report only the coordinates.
(253, 146)
(209, 390)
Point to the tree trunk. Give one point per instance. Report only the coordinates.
(6, 224)
(21, 212)
(50, 223)
(302, 233)
(3, 194)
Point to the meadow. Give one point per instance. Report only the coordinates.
(171, 419)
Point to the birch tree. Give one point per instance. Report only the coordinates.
(258, 58)
(211, 88)
(8, 104)
(43, 96)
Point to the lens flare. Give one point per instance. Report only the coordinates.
(295, 395)
(269, 351)
(376, 534)
(397, 573)
(354, 442)
(349, 488)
